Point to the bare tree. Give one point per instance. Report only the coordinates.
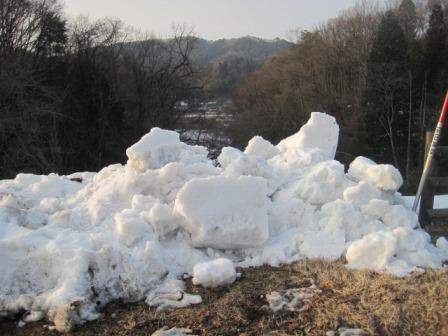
(158, 73)
(27, 102)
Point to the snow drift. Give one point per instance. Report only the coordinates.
(132, 231)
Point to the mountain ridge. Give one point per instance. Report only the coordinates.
(250, 47)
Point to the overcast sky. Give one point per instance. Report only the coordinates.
(214, 19)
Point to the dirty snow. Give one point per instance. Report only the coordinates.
(347, 332)
(293, 299)
(173, 332)
(71, 244)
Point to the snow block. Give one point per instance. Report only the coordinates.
(321, 131)
(383, 176)
(218, 272)
(224, 212)
(372, 252)
(260, 147)
(160, 147)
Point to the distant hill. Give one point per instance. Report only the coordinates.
(247, 47)
(226, 62)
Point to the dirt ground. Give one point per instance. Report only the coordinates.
(378, 303)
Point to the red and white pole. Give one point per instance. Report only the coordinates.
(429, 159)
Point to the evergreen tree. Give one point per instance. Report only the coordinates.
(53, 35)
(386, 91)
(436, 62)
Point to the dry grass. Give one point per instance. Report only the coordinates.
(379, 304)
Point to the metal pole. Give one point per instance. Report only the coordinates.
(429, 159)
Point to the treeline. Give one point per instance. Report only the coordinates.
(226, 62)
(381, 72)
(222, 77)
(75, 95)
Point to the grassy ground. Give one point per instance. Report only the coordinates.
(377, 303)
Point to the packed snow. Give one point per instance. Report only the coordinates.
(218, 272)
(71, 244)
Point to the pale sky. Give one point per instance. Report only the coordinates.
(214, 19)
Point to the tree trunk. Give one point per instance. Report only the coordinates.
(408, 152)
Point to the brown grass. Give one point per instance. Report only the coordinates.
(379, 304)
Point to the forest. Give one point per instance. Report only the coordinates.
(382, 72)
(75, 93)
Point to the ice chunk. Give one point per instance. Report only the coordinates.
(372, 252)
(260, 147)
(224, 212)
(321, 131)
(149, 151)
(160, 147)
(218, 272)
(383, 176)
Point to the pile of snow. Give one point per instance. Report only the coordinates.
(71, 244)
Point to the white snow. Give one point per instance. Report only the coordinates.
(71, 244)
(159, 147)
(399, 252)
(224, 212)
(382, 176)
(260, 147)
(215, 273)
(321, 132)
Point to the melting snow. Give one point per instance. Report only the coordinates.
(173, 332)
(214, 273)
(70, 244)
(293, 299)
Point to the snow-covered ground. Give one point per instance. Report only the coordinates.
(440, 202)
(132, 232)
